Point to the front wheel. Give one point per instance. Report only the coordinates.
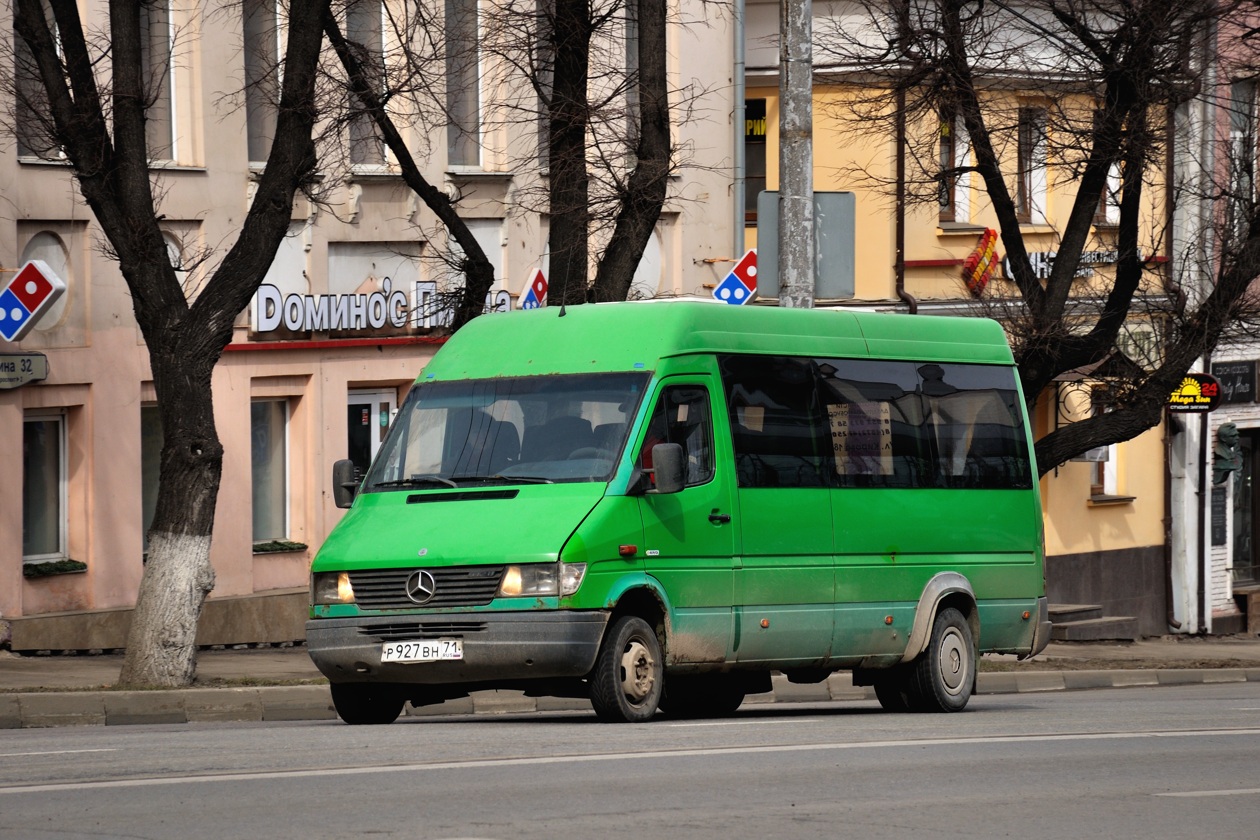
(942, 678)
(629, 673)
(367, 703)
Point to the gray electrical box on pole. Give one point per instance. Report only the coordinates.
(833, 244)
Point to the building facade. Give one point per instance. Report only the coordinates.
(347, 317)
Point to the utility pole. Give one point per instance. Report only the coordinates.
(796, 154)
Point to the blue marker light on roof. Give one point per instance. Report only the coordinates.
(639, 366)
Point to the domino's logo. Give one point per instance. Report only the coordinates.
(26, 297)
(740, 286)
(536, 292)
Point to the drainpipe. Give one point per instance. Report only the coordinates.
(899, 235)
(740, 163)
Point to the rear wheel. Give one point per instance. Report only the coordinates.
(367, 703)
(943, 677)
(629, 671)
(701, 696)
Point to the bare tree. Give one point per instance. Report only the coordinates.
(1106, 79)
(600, 127)
(95, 98)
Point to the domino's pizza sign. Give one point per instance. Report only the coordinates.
(536, 292)
(26, 297)
(740, 286)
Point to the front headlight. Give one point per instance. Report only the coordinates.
(529, 580)
(541, 579)
(331, 588)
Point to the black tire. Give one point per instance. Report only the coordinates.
(943, 677)
(702, 696)
(367, 703)
(629, 673)
(893, 691)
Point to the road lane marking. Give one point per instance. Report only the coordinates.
(483, 763)
(1193, 793)
(743, 722)
(55, 752)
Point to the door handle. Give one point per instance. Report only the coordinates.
(719, 518)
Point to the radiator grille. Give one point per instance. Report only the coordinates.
(403, 630)
(462, 586)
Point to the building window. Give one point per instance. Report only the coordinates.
(754, 156)
(262, 34)
(157, 37)
(150, 465)
(365, 26)
(44, 487)
(955, 184)
(1242, 153)
(1030, 193)
(34, 139)
(463, 83)
(269, 425)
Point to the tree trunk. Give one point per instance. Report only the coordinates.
(645, 191)
(110, 160)
(569, 189)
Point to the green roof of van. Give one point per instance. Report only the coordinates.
(605, 337)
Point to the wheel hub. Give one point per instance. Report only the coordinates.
(637, 669)
(953, 663)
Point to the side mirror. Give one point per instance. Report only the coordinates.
(669, 468)
(344, 483)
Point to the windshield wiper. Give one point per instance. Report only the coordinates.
(510, 479)
(416, 481)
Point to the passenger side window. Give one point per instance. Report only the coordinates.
(682, 415)
(802, 422)
(776, 421)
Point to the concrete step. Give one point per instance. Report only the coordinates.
(1074, 612)
(1110, 627)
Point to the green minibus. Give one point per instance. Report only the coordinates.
(656, 505)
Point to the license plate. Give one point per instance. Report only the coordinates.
(429, 650)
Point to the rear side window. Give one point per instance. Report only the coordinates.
(871, 423)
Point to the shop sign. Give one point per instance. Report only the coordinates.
(1198, 392)
(388, 307)
(1042, 262)
(18, 369)
(1238, 381)
(30, 294)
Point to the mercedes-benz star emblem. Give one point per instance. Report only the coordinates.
(421, 586)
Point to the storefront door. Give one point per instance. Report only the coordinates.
(1246, 512)
(368, 417)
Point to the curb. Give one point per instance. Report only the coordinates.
(35, 710)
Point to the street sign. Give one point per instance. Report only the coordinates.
(17, 369)
(28, 296)
(740, 286)
(536, 292)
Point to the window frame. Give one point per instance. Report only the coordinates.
(1032, 163)
(465, 146)
(60, 418)
(286, 470)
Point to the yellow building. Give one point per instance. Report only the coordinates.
(1104, 518)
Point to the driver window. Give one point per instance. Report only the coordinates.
(682, 416)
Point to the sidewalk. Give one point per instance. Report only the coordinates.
(283, 684)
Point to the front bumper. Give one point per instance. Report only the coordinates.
(498, 647)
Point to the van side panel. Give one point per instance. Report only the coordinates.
(786, 580)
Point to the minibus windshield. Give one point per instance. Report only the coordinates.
(522, 430)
